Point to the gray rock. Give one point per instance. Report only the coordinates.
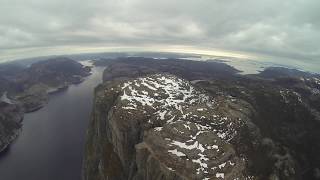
(162, 127)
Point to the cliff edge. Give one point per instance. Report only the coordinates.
(162, 127)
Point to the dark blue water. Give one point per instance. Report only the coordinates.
(51, 144)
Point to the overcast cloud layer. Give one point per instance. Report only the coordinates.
(287, 28)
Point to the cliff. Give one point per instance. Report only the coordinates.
(162, 127)
(10, 123)
(278, 137)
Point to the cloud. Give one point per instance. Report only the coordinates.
(288, 28)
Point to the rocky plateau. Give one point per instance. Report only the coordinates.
(162, 119)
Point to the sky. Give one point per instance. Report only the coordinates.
(247, 28)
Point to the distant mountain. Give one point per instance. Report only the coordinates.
(281, 72)
(31, 85)
(53, 72)
(137, 66)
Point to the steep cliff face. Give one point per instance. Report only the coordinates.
(278, 137)
(10, 123)
(162, 127)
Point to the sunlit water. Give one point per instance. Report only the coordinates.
(51, 144)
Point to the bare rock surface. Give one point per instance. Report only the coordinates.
(162, 127)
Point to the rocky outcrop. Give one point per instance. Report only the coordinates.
(162, 127)
(280, 140)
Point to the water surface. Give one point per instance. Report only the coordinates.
(50, 146)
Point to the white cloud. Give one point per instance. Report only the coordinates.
(288, 28)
